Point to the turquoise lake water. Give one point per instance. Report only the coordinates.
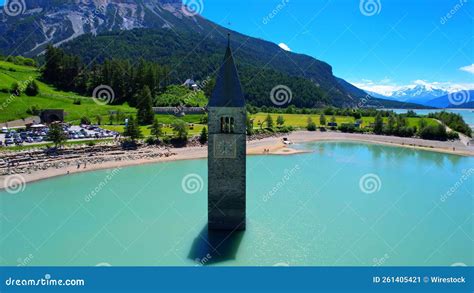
(342, 204)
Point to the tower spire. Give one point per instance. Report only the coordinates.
(228, 90)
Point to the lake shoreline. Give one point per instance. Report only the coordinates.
(266, 146)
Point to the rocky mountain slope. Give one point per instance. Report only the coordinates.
(171, 34)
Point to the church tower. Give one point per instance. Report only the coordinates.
(227, 150)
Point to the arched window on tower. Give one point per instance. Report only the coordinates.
(227, 125)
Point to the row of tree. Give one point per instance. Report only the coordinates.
(126, 79)
(357, 113)
(453, 121)
(397, 125)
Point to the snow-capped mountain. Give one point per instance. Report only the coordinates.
(419, 93)
(452, 97)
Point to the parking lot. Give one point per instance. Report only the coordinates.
(38, 134)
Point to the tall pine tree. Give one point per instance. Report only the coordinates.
(145, 114)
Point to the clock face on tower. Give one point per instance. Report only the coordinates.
(224, 146)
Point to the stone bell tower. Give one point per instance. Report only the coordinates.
(227, 150)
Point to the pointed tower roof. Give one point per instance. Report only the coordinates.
(228, 91)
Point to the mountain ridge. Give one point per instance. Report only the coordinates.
(87, 27)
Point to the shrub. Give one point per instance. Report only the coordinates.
(33, 110)
(285, 129)
(180, 129)
(129, 144)
(311, 125)
(203, 136)
(85, 120)
(452, 135)
(15, 89)
(32, 89)
(150, 140)
(166, 140)
(406, 132)
(280, 120)
(350, 128)
(433, 132)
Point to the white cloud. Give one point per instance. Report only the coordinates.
(284, 47)
(469, 68)
(387, 89)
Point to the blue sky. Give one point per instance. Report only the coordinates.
(405, 43)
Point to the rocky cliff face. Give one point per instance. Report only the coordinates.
(56, 22)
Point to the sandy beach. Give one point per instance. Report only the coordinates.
(265, 146)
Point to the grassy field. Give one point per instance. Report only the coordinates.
(13, 107)
(193, 131)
